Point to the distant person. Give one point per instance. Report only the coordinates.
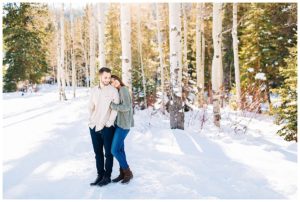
(101, 124)
(123, 123)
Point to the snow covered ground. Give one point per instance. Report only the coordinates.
(47, 154)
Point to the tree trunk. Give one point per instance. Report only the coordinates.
(161, 61)
(85, 54)
(101, 34)
(180, 52)
(217, 61)
(185, 63)
(126, 45)
(161, 56)
(72, 52)
(92, 45)
(58, 67)
(209, 65)
(202, 52)
(199, 54)
(176, 108)
(62, 54)
(141, 55)
(236, 56)
(185, 80)
(67, 68)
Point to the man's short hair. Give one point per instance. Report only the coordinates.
(104, 69)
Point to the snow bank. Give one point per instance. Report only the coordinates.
(48, 154)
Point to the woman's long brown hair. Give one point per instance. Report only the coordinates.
(118, 79)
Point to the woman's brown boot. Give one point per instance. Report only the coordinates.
(127, 175)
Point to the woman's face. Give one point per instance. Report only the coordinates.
(115, 83)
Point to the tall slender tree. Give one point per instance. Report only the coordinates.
(199, 54)
(236, 55)
(176, 108)
(161, 56)
(101, 34)
(185, 77)
(126, 44)
(202, 51)
(141, 55)
(73, 52)
(217, 61)
(58, 68)
(62, 54)
(92, 44)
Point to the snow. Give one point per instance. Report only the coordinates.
(173, 27)
(260, 76)
(280, 38)
(250, 69)
(192, 82)
(48, 154)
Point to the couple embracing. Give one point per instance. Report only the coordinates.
(111, 116)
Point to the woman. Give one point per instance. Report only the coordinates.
(123, 123)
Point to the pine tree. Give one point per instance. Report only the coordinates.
(149, 54)
(23, 42)
(287, 111)
(266, 34)
(113, 39)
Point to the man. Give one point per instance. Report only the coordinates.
(101, 124)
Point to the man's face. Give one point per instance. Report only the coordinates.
(105, 78)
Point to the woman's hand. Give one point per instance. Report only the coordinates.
(113, 106)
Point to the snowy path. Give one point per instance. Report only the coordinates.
(48, 154)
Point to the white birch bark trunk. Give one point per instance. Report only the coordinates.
(58, 70)
(185, 62)
(217, 61)
(176, 108)
(101, 34)
(236, 56)
(62, 54)
(180, 52)
(67, 67)
(200, 53)
(141, 55)
(185, 77)
(85, 55)
(202, 77)
(161, 61)
(72, 52)
(126, 45)
(92, 45)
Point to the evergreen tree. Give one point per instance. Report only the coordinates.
(113, 39)
(264, 40)
(287, 111)
(23, 39)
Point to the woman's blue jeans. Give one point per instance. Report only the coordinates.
(118, 148)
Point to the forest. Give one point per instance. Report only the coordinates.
(173, 57)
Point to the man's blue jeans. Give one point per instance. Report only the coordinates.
(118, 148)
(103, 139)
